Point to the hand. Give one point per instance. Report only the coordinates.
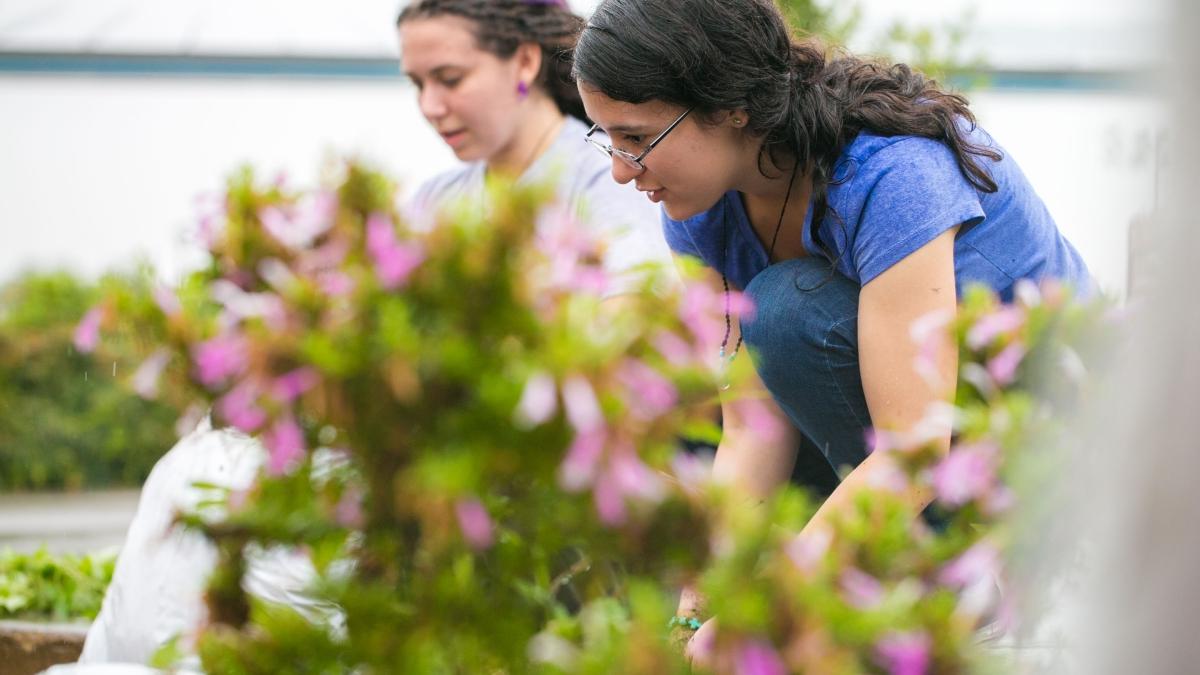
(699, 649)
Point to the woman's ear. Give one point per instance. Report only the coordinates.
(528, 59)
(738, 119)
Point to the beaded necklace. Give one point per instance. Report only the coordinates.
(770, 251)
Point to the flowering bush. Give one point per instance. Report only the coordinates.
(480, 454)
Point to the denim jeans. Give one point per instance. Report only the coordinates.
(803, 338)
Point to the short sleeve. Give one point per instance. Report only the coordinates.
(912, 191)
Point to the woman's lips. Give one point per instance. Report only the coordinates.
(454, 138)
(655, 196)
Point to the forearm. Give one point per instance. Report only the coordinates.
(751, 467)
(877, 472)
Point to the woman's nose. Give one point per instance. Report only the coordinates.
(623, 172)
(431, 103)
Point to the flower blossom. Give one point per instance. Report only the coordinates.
(578, 468)
(860, 589)
(475, 523)
(980, 561)
(1003, 367)
(297, 226)
(219, 358)
(285, 443)
(966, 473)
(806, 551)
(575, 255)
(651, 394)
(146, 377)
(349, 512)
(579, 400)
(87, 332)
(394, 261)
(988, 327)
(166, 300)
(758, 657)
(906, 653)
(539, 401)
(290, 386)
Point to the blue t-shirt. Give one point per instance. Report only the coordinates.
(891, 195)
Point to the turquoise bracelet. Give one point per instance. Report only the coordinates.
(689, 622)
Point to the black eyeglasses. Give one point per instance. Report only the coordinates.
(634, 162)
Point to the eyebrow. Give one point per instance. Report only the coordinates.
(440, 70)
(632, 130)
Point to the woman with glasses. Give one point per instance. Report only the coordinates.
(846, 198)
(493, 79)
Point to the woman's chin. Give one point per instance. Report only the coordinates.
(678, 211)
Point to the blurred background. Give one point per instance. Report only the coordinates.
(116, 115)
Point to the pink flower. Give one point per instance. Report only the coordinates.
(324, 257)
(290, 386)
(166, 300)
(806, 551)
(583, 456)
(574, 254)
(276, 273)
(297, 226)
(87, 332)
(579, 400)
(219, 358)
(988, 327)
(242, 305)
(335, 284)
(929, 333)
(1003, 366)
(189, 420)
(904, 653)
(674, 348)
(860, 589)
(285, 442)
(145, 378)
(634, 478)
(539, 401)
(759, 416)
(701, 311)
(349, 513)
(980, 561)
(758, 657)
(1026, 293)
(966, 473)
(475, 523)
(394, 262)
(651, 393)
(610, 503)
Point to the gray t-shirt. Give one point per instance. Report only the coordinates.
(625, 218)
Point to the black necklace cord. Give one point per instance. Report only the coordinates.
(770, 252)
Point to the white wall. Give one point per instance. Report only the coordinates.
(96, 170)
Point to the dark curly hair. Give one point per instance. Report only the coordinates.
(720, 55)
(503, 25)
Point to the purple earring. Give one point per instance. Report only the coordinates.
(522, 89)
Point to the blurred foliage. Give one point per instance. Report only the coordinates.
(42, 585)
(498, 487)
(940, 52)
(65, 420)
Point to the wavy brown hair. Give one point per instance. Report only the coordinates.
(501, 26)
(721, 55)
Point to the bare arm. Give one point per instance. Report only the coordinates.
(897, 396)
(753, 463)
